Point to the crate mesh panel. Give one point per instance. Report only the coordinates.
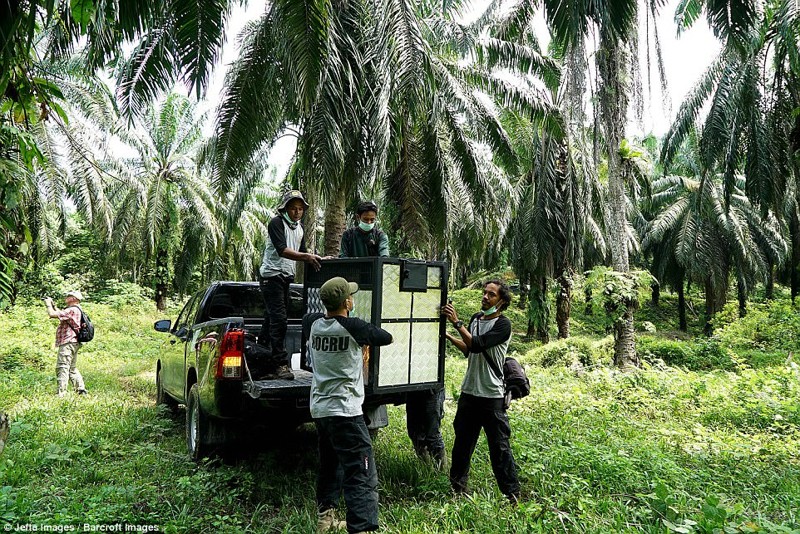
(425, 353)
(394, 357)
(396, 304)
(434, 276)
(426, 305)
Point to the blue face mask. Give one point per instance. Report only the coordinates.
(490, 311)
(367, 227)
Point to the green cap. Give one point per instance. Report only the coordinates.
(335, 291)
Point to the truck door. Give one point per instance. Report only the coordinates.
(173, 358)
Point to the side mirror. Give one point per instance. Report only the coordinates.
(162, 325)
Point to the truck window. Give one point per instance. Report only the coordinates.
(246, 301)
(182, 320)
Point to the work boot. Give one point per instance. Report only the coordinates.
(284, 373)
(326, 521)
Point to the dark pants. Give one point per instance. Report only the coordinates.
(473, 414)
(347, 465)
(275, 291)
(424, 412)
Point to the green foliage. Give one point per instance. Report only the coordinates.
(648, 451)
(572, 351)
(699, 355)
(612, 291)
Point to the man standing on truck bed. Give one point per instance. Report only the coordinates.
(346, 461)
(424, 409)
(285, 245)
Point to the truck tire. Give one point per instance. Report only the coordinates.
(162, 397)
(198, 427)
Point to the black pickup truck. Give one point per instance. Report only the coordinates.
(209, 363)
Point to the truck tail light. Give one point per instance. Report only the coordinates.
(231, 355)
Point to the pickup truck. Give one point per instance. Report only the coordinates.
(210, 365)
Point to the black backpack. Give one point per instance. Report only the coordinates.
(86, 331)
(515, 380)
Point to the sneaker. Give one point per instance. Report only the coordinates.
(326, 521)
(82, 392)
(284, 373)
(513, 499)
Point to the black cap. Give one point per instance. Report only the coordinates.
(365, 206)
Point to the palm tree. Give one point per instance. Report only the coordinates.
(163, 201)
(696, 236)
(385, 105)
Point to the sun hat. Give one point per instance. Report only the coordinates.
(289, 196)
(334, 292)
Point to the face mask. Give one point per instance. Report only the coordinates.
(292, 223)
(367, 227)
(490, 310)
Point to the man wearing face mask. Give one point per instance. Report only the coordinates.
(484, 341)
(364, 239)
(346, 461)
(285, 245)
(424, 409)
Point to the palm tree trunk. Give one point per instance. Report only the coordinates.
(682, 308)
(524, 291)
(711, 306)
(794, 233)
(611, 62)
(538, 311)
(770, 288)
(741, 293)
(161, 276)
(335, 221)
(563, 305)
(655, 287)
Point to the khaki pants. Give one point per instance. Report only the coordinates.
(66, 367)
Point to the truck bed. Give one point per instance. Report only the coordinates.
(300, 387)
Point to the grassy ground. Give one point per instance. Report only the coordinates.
(705, 438)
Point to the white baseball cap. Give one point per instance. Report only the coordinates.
(77, 294)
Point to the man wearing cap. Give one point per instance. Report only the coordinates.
(67, 342)
(364, 239)
(346, 461)
(424, 409)
(285, 245)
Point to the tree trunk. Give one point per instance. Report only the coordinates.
(770, 288)
(335, 221)
(715, 300)
(162, 268)
(612, 68)
(624, 340)
(794, 278)
(741, 293)
(524, 291)
(538, 311)
(655, 287)
(682, 308)
(563, 305)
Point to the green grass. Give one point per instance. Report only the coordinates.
(676, 447)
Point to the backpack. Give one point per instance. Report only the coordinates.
(515, 380)
(86, 331)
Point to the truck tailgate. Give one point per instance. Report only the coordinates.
(300, 387)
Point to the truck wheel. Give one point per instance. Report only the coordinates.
(198, 427)
(162, 397)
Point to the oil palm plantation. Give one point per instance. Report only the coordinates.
(165, 221)
(382, 101)
(696, 236)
